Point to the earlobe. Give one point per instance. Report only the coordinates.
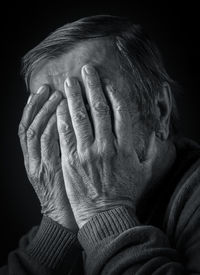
(163, 110)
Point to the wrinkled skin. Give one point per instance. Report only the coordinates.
(101, 168)
(101, 159)
(45, 179)
(39, 140)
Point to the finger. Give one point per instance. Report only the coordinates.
(80, 120)
(122, 118)
(37, 127)
(66, 133)
(98, 104)
(34, 104)
(50, 142)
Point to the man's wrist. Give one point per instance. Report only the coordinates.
(52, 244)
(87, 213)
(109, 223)
(64, 218)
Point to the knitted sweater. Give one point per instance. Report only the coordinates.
(163, 237)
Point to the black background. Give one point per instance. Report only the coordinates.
(175, 28)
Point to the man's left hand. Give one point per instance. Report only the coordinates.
(100, 166)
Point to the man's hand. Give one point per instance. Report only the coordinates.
(100, 166)
(40, 145)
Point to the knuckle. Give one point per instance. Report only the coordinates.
(85, 156)
(65, 128)
(30, 134)
(75, 94)
(101, 108)
(45, 137)
(106, 149)
(67, 138)
(73, 158)
(21, 130)
(93, 82)
(79, 116)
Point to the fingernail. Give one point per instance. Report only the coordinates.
(89, 70)
(29, 99)
(41, 89)
(71, 81)
(53, 96)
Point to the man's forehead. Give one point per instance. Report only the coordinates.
(98, 52)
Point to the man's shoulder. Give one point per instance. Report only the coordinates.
(189, 182)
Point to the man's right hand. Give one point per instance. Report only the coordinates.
(40, 145)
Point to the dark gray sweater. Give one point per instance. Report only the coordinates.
(162, 238)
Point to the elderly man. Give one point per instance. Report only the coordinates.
(119, 188)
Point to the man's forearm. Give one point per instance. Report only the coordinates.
(52, 249)
(116, 243)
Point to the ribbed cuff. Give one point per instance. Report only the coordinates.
(52, 244)
(105, 224)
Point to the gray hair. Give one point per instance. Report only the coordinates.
(140, 58)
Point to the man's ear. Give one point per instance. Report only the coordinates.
(163, 111)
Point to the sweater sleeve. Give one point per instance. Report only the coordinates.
(48, 249)
(116, 243)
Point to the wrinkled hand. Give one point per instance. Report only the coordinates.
(100, 166)
(40, 145)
